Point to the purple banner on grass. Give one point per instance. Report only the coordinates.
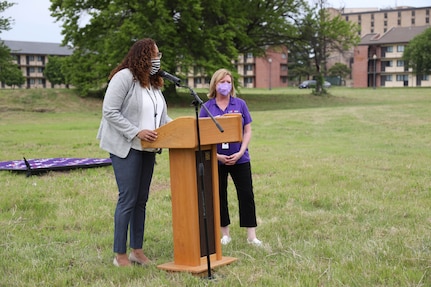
(46, 164)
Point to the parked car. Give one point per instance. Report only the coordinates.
(312, 83)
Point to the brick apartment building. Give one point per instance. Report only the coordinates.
(267, 72)
(254, 72)
(378, 60)
(32, 57)
(382, 29)
(373, 20)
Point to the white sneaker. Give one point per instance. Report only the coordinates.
(225, 239)
(255, 242)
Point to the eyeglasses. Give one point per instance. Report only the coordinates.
(159, 55)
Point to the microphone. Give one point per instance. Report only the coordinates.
(170, 77)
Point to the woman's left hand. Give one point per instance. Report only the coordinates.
(147, 135)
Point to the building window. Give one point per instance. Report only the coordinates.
(386, 15)
(400, 63)
(399, 22)
(248, 67)
(387, 63)
(249, 55)
(402, 78)
(386, 78)
(359, 17)
(385, 23)
(347, 18)
(399, 14)
(372, 30)
(427, 20)
(31, 58)
(40, 70)
(372, 16)
(413, 21)
(400, 48)
(248, 80)
(32, 81)
(389, 49)
(427, 12)
(40, 58)
(372, 24)
(413, 13)
(198, 70)
(425, 77)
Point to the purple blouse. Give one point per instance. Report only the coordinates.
(238, 106)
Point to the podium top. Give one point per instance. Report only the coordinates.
(182, 132)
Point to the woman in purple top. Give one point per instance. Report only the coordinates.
(233, 158)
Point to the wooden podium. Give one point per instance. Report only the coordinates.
(181, 138)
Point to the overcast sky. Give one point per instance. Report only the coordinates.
(32, 20)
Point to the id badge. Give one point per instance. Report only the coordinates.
(225, 146)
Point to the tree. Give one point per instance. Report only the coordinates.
(320, 34)
(204, 33)
(339, 70)
(5, 23)
(300, 64)
(54, 70)
(417, 53)
(11, 75)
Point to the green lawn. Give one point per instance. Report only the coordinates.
(342, 186)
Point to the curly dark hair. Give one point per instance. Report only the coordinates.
(138, 60)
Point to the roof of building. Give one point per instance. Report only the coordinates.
(393, 35)
(37, 48)
(346, 11)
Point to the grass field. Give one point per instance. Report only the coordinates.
(342, 186)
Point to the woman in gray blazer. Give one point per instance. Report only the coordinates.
(133, 108)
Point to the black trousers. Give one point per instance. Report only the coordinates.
(241, 176)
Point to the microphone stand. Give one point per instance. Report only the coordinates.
(198, 102)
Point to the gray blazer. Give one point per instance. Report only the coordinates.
(122, 108)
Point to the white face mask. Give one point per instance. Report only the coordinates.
(155, 66)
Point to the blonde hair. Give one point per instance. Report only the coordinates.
(217, 76)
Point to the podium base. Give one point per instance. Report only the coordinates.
(203, 267)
